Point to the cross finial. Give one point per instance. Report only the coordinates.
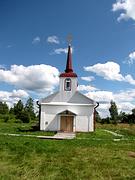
(69, 39)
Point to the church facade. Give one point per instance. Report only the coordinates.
(67, 110)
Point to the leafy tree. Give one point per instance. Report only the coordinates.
(29, 108)
(105, 120)
(18, 108)
(11, 111)
(4, 108)
(133, 111)
(113, 112)
(97, 116)
(24, 117)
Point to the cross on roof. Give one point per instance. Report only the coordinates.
(69, 39)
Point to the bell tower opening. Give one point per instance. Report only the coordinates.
(67, 84)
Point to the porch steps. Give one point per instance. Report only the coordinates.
(65, 135)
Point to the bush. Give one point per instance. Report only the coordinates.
(4, 117)
(24, 117)
(106, 121)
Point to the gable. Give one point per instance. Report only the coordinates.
(49, 98)
(77, 98)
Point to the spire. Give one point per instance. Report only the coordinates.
(69, 71)
(69, 61)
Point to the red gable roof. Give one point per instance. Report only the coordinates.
(69, 71)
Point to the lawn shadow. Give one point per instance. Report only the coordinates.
(32, 128)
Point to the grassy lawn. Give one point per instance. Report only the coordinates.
(22, 128)
(89, 156)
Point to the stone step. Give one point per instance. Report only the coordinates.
(65, 135)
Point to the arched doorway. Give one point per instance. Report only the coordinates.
(66, 121)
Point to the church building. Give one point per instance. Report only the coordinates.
(67, 110)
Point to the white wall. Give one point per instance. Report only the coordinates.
(56, 109)
(50, 120)
(66, 95)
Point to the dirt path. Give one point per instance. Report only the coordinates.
(114, 133)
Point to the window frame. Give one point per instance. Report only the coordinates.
(67, 80)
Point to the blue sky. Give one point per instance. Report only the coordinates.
(33, 48)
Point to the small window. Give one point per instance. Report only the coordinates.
(68, 84)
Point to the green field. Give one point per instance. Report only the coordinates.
(99, 155)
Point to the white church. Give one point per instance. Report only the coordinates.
(67, 110)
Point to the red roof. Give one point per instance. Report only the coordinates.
(68, 74)
(69, 71)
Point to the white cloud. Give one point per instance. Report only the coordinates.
(125, 100)
(36, 40)
(53, 40)
(19, 94)
(110, 71)
(38, 78)
(128, 8)
(126, 107)
(86, 88)
(2, 66)
(131, 58)
(60, 50)
(101, 96)
(12, 97)
(88, 78)
(129, 79)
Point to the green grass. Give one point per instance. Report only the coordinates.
(90, 156)
(22, 128)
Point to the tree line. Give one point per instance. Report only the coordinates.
(116, 117)
(20, 112)
(25, 113)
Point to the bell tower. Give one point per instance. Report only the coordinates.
(68, 79)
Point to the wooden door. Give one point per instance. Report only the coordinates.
(66, 123)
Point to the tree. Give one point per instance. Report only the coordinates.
(97, 116)
(133, 111)
(123, 117)
(29, 108)
(18, 108)
(113, 112)
(24, 117)
(4, 108)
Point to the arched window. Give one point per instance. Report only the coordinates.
(67, 84)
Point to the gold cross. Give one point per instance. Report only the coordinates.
(69, 38)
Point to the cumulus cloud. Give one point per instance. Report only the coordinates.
(53, 40)
(101, 96)
(126, 107)
(123, 99)
(88, 78)
(128, 8)
(12, 97)
(86, 88)
(110, 71)
(131, 58)
(2, 66)
(129, 79)
(38, 78)
(36, 40)
(124, 96)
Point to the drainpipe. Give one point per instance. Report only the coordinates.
(95, 115)
(39, 106)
